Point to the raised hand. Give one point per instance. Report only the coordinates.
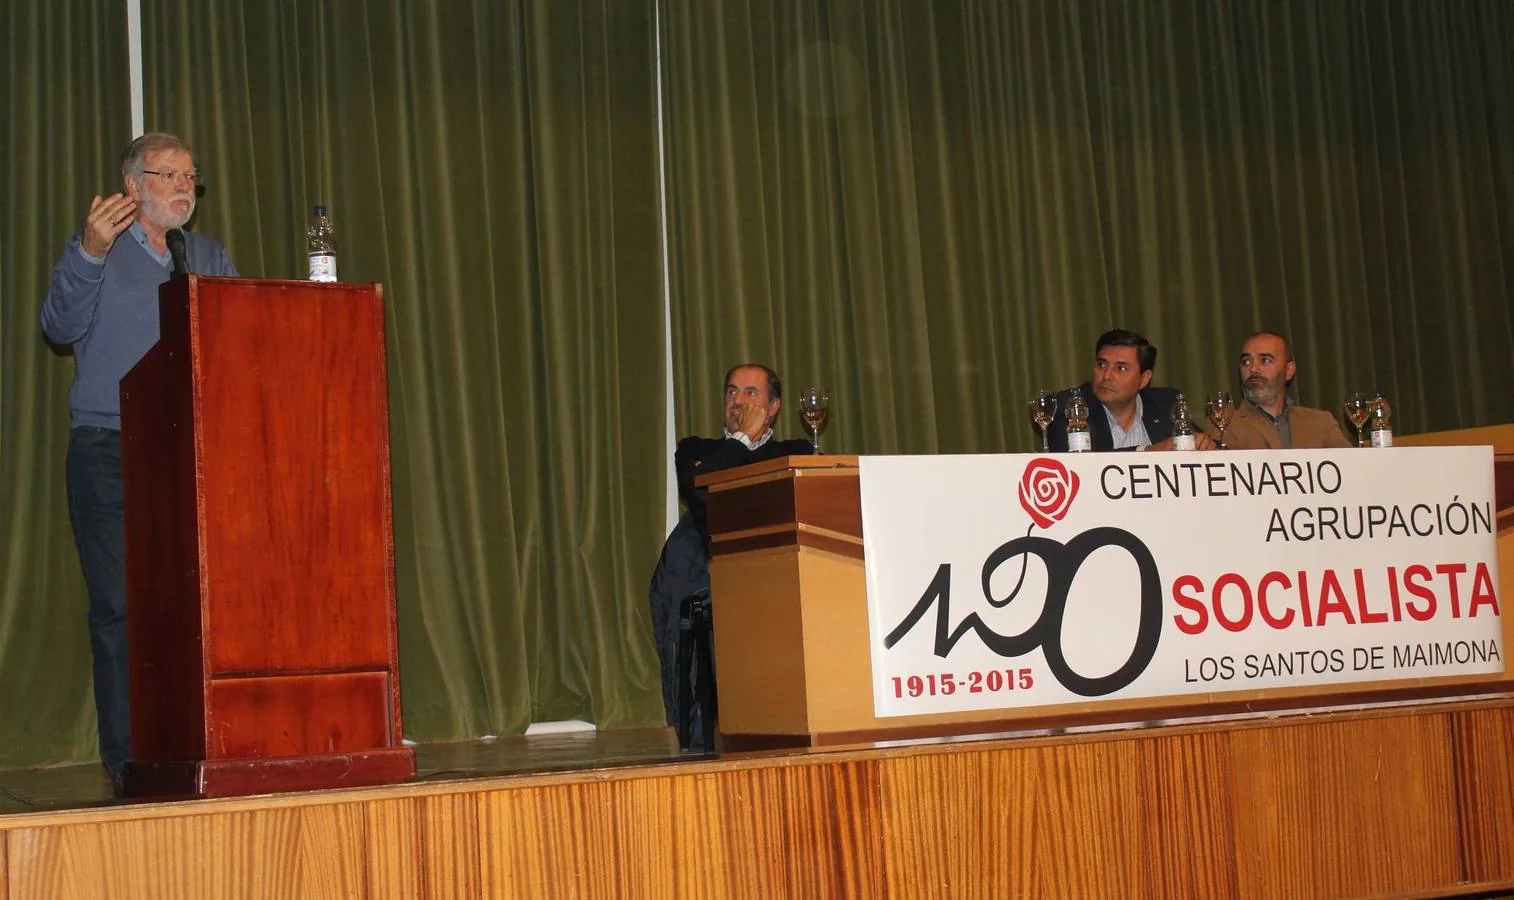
(107, 218)
(754, 420)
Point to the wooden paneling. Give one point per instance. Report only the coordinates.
(791, 536)
(803, 830)
(832, 821)
(1483, 743)
(1056, 821)
(244, 777)
(292, 413)
(764, 503)
(1350, 808)
(299, 715)
(830, 500)
(450, 860)
(395, 849)
(1499, 437)
(759, 644)
(799, 506)
(837, 663)
(275, 853)
(694, 836)
(163, 566)
(827, 498)
(1397, 802)
(1188, 814)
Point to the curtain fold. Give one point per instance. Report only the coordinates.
(65, 117)
(494, 166)
(935, 208)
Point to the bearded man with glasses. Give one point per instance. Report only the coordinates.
(104, 302)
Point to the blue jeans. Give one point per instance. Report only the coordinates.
(95, 509)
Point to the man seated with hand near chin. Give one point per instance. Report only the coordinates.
(1269, 419)
(753, 397)
(1124, 411)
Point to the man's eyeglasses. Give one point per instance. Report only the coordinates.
(190, 178)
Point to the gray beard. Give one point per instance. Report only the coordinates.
(1262, 396)
(160, 214)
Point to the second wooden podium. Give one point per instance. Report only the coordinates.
(260, 550)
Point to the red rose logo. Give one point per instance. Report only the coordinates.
(1046, 491)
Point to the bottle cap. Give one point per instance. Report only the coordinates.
(320, 210)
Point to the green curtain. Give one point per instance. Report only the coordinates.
(494, 165)
(65, 116)
(930, 209)
(933, 209)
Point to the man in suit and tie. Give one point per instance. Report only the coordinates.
(1269, 419)
(1124, 411)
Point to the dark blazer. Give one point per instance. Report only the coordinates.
(1156, 408)
(697, 456)
(683, 569)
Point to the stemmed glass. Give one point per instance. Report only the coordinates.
(1220, 409)
(1042, 410)
(814, 409)
(1358, 411)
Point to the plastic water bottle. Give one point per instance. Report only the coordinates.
(1182, 425)
(1382, 421)
(321, 243)
(1078, 439)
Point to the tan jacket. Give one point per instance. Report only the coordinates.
(1310, 428)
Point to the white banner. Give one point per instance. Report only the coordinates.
(1023, 580)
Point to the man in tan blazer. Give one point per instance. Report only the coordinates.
(1268, 419)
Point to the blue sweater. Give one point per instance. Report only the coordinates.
(109, 313)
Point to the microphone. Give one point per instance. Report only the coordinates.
(175, 239)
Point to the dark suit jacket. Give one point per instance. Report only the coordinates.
(1156, 409)
(1309, 428)
(684, 567)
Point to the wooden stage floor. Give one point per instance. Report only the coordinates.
(58, 788)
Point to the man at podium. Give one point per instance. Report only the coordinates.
(753, 396)
(104, 302)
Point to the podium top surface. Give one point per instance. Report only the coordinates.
(771, 466)
(285, 283)
(1499, 437)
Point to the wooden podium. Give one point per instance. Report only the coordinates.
(259, 543)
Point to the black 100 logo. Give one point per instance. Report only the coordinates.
(1062, 562)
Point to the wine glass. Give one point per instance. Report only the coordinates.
(1220, 409)
(1042, 410)
(814, 409)
(1358, 411)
